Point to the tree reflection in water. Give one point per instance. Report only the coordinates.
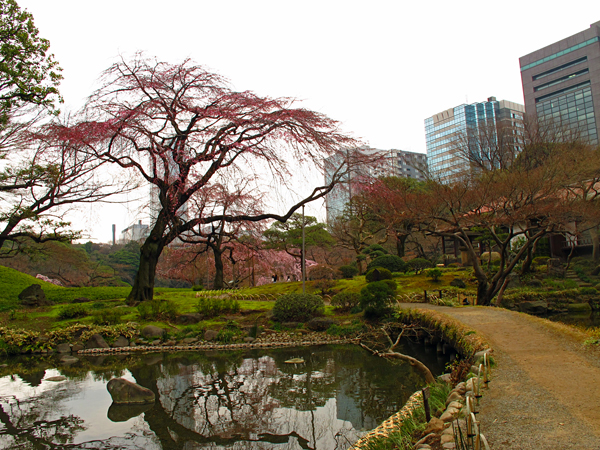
(244, 400)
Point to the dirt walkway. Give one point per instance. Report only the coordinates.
(545, 391)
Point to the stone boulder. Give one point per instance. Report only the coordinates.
(478, 356)
(76, 348)
(190, 318)
(63, 348)
(56, 379)
(210, 335)
(457, 282)
(121, 341)
(536, 307)
(453, 397)
(435, 425)
(34, 296)
(450, 414)
(319, 323)
(151, 331)
(96, 341)
(485, 257)
(445, 378)
(555, 268)
(124, 391)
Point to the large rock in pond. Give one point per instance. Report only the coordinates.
(124, 391)
(537, 307)
(34, 296)
(96, 341)
(151, 331)
(63, 348)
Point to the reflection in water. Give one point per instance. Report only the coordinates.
(243, 400)
(584, 319)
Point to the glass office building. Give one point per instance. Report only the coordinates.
(561, 84)
(451, 134)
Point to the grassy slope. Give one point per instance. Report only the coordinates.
(12, 282)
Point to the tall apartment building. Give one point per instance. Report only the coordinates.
(458, 135)
(398, 163)
(561, 83)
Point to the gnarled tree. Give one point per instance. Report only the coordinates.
(181, 127)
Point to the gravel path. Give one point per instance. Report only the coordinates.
(545, 390)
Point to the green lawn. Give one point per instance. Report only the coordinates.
(254, 302)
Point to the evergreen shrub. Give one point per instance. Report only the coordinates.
(297, 307)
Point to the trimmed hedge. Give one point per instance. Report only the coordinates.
(392, 263)
(348, 271)
(378, 274)
(297, 307)
(345, 301)
(377, 297)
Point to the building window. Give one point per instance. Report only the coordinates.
(559, 68)
(560, 80)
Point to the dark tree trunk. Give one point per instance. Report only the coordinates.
(218, 283)
(526, 267)
(483, 293)
(143, 286)
(595, 244)
(401, 244)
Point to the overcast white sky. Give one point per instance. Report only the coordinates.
(380, 67)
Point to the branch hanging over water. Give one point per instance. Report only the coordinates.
(389, 353)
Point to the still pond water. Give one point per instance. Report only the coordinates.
(584, 319)
(237, 400)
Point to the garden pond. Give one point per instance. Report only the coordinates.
(584, 319)
(249, 399)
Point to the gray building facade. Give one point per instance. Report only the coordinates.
(400, 163)
(561, 83)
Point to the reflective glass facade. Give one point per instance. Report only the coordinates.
(561, 84)
(573, 107)
(445, 132)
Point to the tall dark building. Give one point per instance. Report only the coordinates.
(561, 83)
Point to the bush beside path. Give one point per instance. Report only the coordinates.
(545, 390)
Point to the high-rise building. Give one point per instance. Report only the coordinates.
(561, 83)
(461, 136)
(394, 162)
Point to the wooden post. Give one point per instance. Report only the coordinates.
(426, 396)
(440, 291)
(426, 299)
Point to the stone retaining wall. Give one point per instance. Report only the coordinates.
(205, 346)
